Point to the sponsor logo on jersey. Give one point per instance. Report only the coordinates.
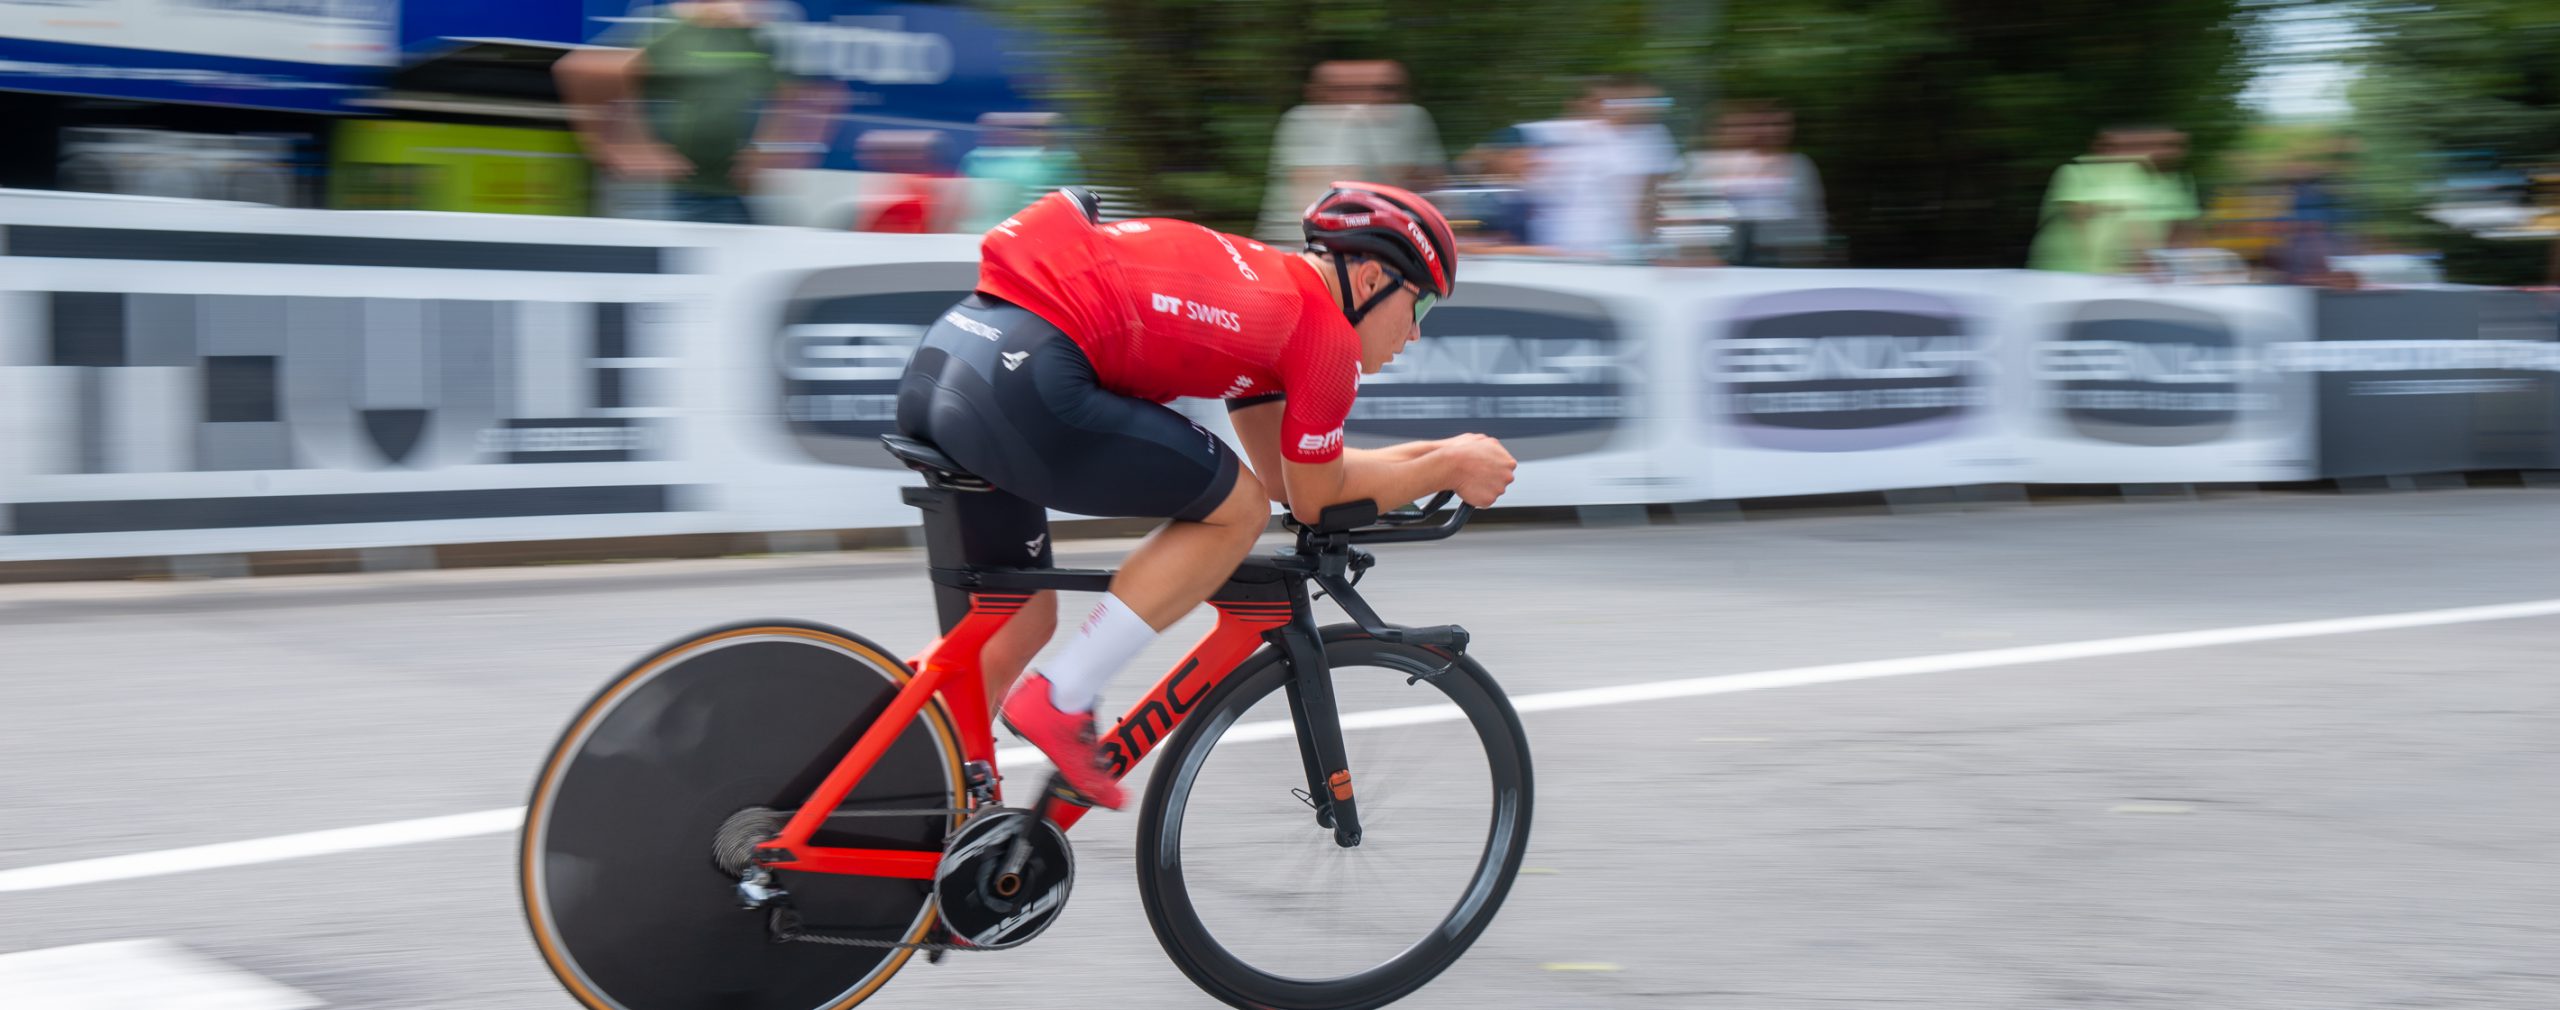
(1243, 382)
(1128, 227)
(1238, 257)
(1224, 319)
(1320, 443)
(1006, 226)
(1014, 359)
(973, 326)
(1033, 545)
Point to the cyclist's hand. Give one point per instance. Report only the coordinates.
(1484, 468)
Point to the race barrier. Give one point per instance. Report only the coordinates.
(183, 378)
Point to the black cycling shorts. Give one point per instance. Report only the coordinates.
(1013, 399)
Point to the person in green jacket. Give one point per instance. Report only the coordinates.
(2107, 210)
(690, 95)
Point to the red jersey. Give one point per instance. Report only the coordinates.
(1168, 308)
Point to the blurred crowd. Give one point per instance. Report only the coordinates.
(687, 113)
(687, 108)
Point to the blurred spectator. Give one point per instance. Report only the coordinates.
(911, 195)
(1356, 125)
(692, 99)
(1016, 163)
(1498, 204)
(1597, 169)
(1772, 196)
(2313, 231)
(2107, 211)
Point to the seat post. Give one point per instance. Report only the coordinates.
(966, 529)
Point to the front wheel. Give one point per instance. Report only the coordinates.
(1251, 896)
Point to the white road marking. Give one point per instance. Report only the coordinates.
(317, 843)
(136, 973)
(260, 850)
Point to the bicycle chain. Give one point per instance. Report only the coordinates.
(786, 928)
(785, 923)
(923, 812)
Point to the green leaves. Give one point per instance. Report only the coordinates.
(1935, 123)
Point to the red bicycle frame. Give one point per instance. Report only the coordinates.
(949, 667)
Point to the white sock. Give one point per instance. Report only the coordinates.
(1112, 636)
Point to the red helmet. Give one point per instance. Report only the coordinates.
(1397, 228)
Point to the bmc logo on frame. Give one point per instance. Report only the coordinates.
(1320, 443)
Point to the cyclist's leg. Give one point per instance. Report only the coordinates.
(1173, 571)
(1012, 398)
(1124, 456)
(1021, 638)
(1184, 561)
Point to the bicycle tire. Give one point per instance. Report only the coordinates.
(616, 868)
(1165, 892)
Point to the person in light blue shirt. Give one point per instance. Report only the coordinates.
(1018, 161)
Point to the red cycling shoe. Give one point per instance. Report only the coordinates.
(1068, 739)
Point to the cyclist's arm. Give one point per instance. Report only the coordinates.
(1257, 425)
(1392, 477)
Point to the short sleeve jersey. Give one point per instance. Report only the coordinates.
(1167, 308)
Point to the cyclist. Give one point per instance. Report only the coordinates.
(1050, 382)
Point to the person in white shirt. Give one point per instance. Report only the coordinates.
(1773, 195)
(1597, 169)
(1356, 125)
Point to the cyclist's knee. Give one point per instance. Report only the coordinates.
(1248, 506)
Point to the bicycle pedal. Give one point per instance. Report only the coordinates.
(1058, 791)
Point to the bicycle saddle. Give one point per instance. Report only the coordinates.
(939, 470)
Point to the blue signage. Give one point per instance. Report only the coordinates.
(310, 55)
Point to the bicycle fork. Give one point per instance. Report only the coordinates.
(1319, 722)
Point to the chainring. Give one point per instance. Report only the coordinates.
(1004, 876)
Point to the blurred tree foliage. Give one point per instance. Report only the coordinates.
(2451, 88)
(1179, 98)
(1936, 123)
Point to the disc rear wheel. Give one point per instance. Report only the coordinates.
(649, 791)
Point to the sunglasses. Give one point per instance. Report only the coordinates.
(1422, 300)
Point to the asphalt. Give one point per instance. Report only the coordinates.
(2356, 820)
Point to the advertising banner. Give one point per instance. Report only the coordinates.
(181, 378)
(816, 327)
(1556, 360)
(185, 378)
(2126, 381)
(2435, 381)
(307, 55)
(1823, 381)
